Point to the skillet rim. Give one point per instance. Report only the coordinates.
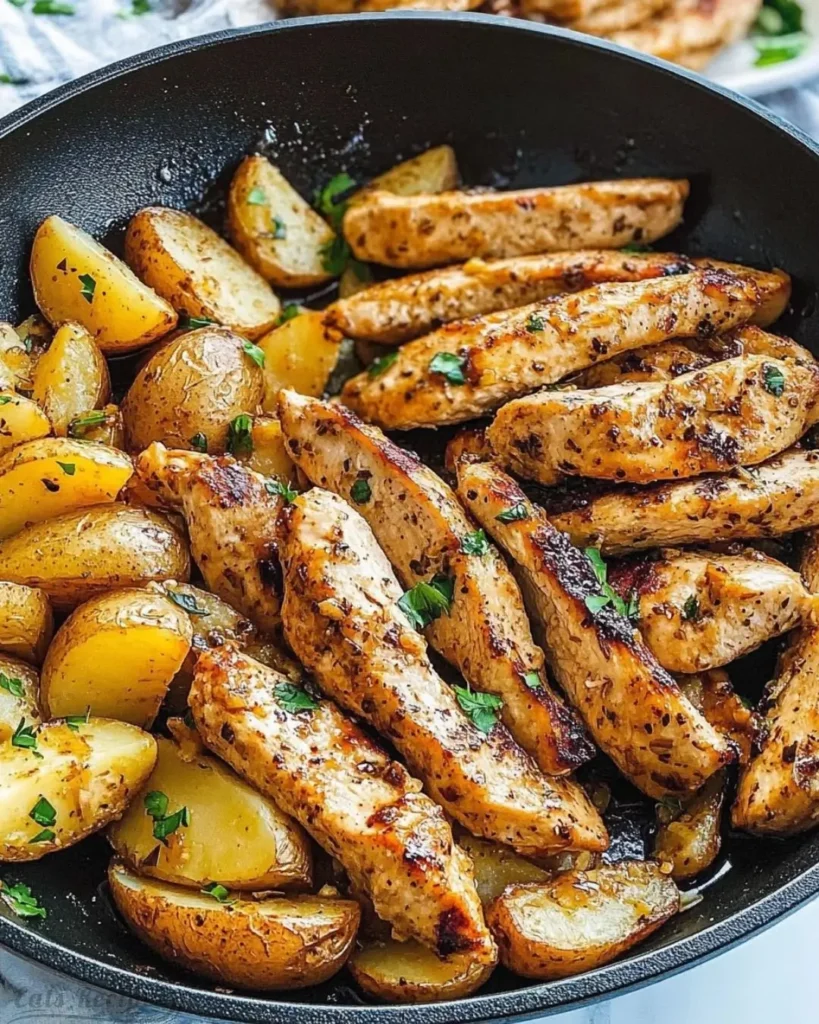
(518, 1004)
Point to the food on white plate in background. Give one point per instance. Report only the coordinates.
(263, 838)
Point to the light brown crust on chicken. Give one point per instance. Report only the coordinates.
(509, 354)
(360, 806)
(421, 526)
(632, 707)
(737, 412)
(342, 619)
(713, 694)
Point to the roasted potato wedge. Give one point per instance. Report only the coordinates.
(497, 866)
(26, 622)
(116, 654)
(407, 972)
(19, 693)
(21, 419)
(300, 355)
(581, 919)
(434, 170)
(70, 377)
(190, 390)
(104, 425)
(82, 553)
(235, 836)
(53, 475)
(269, 945)
(198, 273)
(84, 778)
(75, 278)
(268, 454)
(277, 232)
(688, 837)
(15, 360)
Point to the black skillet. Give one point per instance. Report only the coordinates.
(523, 105)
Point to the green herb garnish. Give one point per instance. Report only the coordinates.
(156, 805)
(382, 363)
(52, 7)
(256, 197)
(279, 229)
(293, 698)
(254, 352)
(691, 609)
(333, 198)
(514, 513)
(43, 813)
(427, 601)
(450, 366)
(187, 602)
(634, 247)
(532, 680)
(774, 379)
(361, 492)
(218, 892)
(475, 543)
(88, 283)
(12, 685)
(6, 79)
(595, 603)
(193, 323)
(287, 313)
(481, 708)
(20, 899)
(80, 424)
(75, 721)
(335, 255)
(199, 443)
(25, 736)
(68, 468)
(281, 489)
(46, 836)
(240, 438)
(535, 323)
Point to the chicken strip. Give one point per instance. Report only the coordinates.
(231, 515)
(632, 707)
(738, 412)
(778, 792)
(712, 694)
(359, 806)
(778, 497)
(423, 529)
(698, 610)
(616, 17)
(467, 368)
(342, 618)
(690, 25)
(428, 230)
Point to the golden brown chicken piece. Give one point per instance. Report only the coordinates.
(778, 497)
(470, 367)
(632, 707)
(361, 807)
(231, 517)
(342, 618)
(690, 25)
(712, 693)
(738, 412)
(614, 17)
(698, 610)
(423, 529)
(428, 230)
(779, 790)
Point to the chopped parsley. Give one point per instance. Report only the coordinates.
(773, 379)
(68, 468)
(6, 79)
(281, 489)
(532, 680)
(514, 513)
(187, 602)
(691, 609)
(256, 197)
(779, 32)
(52, 7)
(481, 708)
(47, 835)
(5, 399)
(88, 283)
(425, 602)
(218, 892)
(140, 7)
(43, 813)
(331, 201)
(450, 366)
(475, 543)
(609, 596)
(535, 323)
(199, 443)
(254, 352)
(596, 602)
(335, 255)
(289, 311)
(382, 363)
(25, 736)
(240, 439)
(75, 721)
(361, 492)
(12, 685)
(156, 806)
(293, 698)
(634, 247)
(193, 323)
(80, 424)
(279, 229)
(21, 900)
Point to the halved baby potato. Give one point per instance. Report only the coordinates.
(21, 420)
(268, 455)
(268, 944)
(82, 553)
(116, 654)
(26, 622)
(407, 972)
(196, 270)
(19, 690)
(689, 835)
(76, 278)
(103, 425)
(190, 390)
(45, 478)
(235, 836)
(300, 355)
(70, 377)
(581, 919)
(84, 777)
(497, 866)
(434, 170)
(276, 230)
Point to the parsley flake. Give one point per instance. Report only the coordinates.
(68, 468)
(254, 352)
(481, 708)
(193, 323)
(450, 366)
(532, 680)
(773, 379)
(43, 813)
(361, 492)
(240, 439)
(332, 200)
(293, 698)
(187, 602)
(475, 543)
(279, 229)
(12, 685)
(256, 197)
(25, 736)
(382, 363)
(5, 399)
(425, 602)
(199, 443)
(289, 311)
(47, 835)
(335, 255)
(156, 806)
(52, 7)
(20, 899)
(634, 247)
(86, 421)
(596, 602)
(75, 721)
(514, 513)
(281, 489)
(535, 323)
(691, 609)
(89, 286)
(218, 892)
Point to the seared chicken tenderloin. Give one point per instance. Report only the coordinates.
(713, 694)
(342, 618)
(422, 528)
(738, 412)
(698, 610)
(231, 519)
(467, 368)
(631, 705)
(359, 806)
(778, 497)
(778, 792)
(431, 229)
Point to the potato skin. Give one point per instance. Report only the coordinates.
(301, 355)
(26, 622)
(13, 708)
(70, 377)
(21, 419)
(407, 972)
(196, 383)
(235, 836)
(116, 654)
(270, 945)
(79, 554)
(88, 774)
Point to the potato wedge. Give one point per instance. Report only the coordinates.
(70, 377)
(21, 419)
(277, 232)
(82, 553)
(53, 475)
(268, 455)
(19, 692)
(300, 355)
(196, 270)
(269, 945)
(235, 836)
(26, 622)
(85, 777)
(116, 654)
(104, 425)
(16, 365)
(497, 866)
(688, 837)
(434, 170)
(581, 919)
(407, 972)
(76, 278)
(190, 390)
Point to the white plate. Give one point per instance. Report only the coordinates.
(734, 67)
